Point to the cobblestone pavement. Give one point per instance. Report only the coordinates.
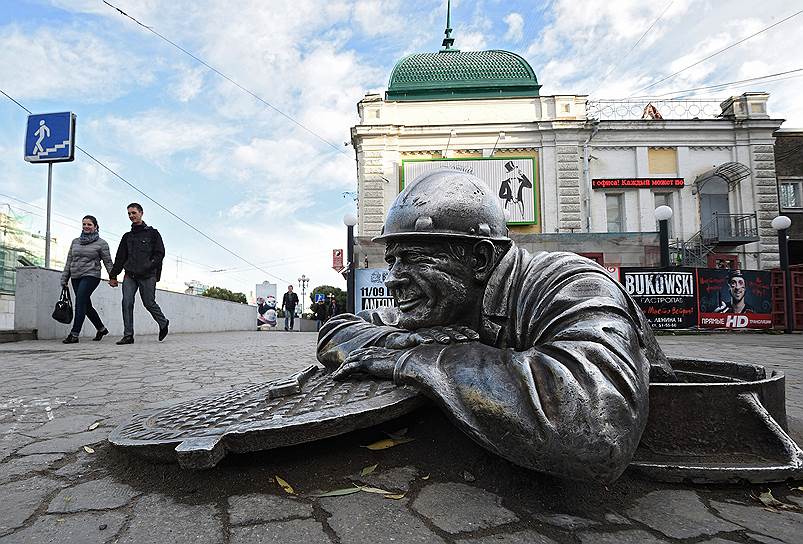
(61, 482)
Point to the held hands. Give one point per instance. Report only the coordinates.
(113, 282)
(441, 335)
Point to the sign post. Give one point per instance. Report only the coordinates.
(50, 137)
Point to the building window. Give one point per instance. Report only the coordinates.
(615, 207)
(662, 161)
(792, 193)
(665, 199)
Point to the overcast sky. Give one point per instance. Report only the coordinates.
(261, 185)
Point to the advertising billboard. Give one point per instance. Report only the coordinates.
(369, 289)
(667, 298)
(511, 179)
(735, 299)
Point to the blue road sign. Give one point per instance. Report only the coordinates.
(50, 137)
(319, 297)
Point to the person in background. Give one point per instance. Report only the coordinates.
(83, 268)
(332, 309)
(321, 312)
(140, 253)
(289, 303)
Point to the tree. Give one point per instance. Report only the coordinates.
(225, 294)
(340, 295)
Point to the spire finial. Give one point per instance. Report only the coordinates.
(448, 41)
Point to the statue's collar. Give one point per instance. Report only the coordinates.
(496, 299)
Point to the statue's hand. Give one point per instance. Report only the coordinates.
(375, 361)
(442, 335)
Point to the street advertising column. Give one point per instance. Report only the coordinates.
(735, 299)
(369, 289)
(667, 298)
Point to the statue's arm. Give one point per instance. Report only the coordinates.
(345, 333)
(574, 405)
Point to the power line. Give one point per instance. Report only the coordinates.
(729, 83)
(605, 77)
(143, 193)
(230, 80)
(718, 52)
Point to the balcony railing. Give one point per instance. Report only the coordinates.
(731, 229)
(624, 109)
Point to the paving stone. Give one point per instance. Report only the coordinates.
(20, 500)
(367, 517)
(520, 537)
(81, 528)
(29, 463)
(456, 507)
(104, 494)
(392, 479)
(612, 517)
(159, 520)
(65, 425)
(764, 539)
(566, 521)
(83, 464)
(795, 499)
(297, 531)
(784, 526)
(622, 537)
(68, 444)
(255, 508)
(678, 513)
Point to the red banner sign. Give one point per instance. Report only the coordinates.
(637, 183)
(337, 260)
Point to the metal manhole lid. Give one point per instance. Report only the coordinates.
(303, 407)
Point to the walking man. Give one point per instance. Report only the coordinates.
(140, 253)
(289, 303)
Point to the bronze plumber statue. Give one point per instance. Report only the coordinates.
(542, 359)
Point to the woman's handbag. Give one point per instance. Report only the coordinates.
(63, 310)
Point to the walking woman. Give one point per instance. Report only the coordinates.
(83, 268)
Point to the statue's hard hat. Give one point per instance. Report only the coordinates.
(445, 203)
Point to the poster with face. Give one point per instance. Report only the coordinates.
(735, 299)
(512, 180)
(668, 299)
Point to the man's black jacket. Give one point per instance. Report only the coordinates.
(141, 252)
(290, 301)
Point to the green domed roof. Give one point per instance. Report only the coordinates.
(451, 74)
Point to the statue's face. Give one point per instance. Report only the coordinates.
(432, 286)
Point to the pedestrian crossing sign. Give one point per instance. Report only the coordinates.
(50, 137)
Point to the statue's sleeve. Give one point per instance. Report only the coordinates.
(344, 333)
(573, 402)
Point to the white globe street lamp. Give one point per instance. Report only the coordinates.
(782, 224)
(663, 214)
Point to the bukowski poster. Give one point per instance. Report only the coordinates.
(735, 299)
(370, 291)
(667, 298)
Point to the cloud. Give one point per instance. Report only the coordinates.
(67, 64)
(187, 82)
(515, 26)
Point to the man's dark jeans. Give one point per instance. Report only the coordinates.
(289, 319)
(147, 292)
(83, 288)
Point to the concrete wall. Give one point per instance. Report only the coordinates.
(38, 290)
(6, 312)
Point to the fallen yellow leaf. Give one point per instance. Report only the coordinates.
(88, 449)
(339, 492)
(425, 477)
(368, 470)
(94, 426)
(386, 443)
(377, 490)
(395, 497)
(768, 500)
(287, 487)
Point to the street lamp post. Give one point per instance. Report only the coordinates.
(350, 220)
(782, 224)
(663, 214)
(302, 284)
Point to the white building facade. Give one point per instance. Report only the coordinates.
(600, 168)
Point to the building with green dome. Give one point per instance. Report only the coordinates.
(572, 173)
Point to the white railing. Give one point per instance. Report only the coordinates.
(656, 109)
